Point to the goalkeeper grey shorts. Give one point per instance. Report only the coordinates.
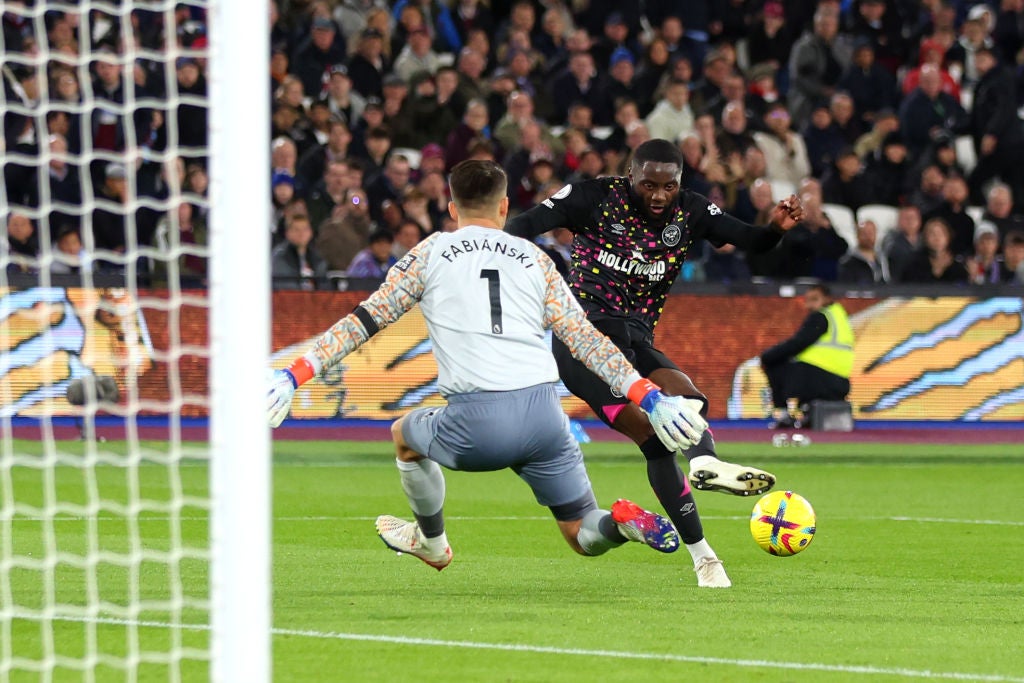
(524, 430)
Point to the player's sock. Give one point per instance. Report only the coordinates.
(423, 483)
(700, 549)
(598, 533)
(672, 490)
(705, 447)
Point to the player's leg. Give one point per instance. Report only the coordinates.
(707, 471)
(552, 466)
(423, 483)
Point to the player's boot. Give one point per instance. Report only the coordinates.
(644, 526)
(711, 573)
(406, 537)
(708, 473)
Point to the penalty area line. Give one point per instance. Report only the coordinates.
(562, 651)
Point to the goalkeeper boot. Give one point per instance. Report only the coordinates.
(643, 526)
(406, 537)
(708, 473)
(711, 573)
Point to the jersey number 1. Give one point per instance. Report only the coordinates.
(494, 293)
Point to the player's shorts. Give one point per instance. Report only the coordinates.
(525, 430)
(634, 340)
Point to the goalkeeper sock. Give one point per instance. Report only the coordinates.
(672, 490)
(423, 483)
(598, 533)
(699, 550)
(705, 447)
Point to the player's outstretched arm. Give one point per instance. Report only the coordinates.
(399, 292)
(676, 420)
(721, 228)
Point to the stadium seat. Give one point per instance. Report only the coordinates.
(975, 212)
(843, 222)
(965, 153)
(883, 216)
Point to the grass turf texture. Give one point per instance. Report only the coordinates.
(915, 573)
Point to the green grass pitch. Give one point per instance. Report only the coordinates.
(916, 573)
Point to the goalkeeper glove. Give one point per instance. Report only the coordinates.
(283, 384)
(676, 420)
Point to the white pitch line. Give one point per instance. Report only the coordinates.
(506, 518)
(581, 652)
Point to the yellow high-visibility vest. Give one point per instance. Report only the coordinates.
(833, 351)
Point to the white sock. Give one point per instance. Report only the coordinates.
(437, 544)
(700, 549)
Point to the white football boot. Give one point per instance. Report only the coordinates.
(708, 473)
(406, 537)
(711, 573)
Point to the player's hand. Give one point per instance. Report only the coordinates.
(279, 397)
(787, 213)
(676, 420)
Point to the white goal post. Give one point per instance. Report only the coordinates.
(135, 458)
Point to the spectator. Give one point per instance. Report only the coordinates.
(822, 138)
(417, 55)
(282, 193)
(653, 73)
(771, 39)
(63, 179)
(846, 183)
(932, 52)
(391, 184)
(431, 160)
(844, 118)
(191, 117)
(962, 55)
(784, 150)
(870, 144)
(184, 230)
(579, 83)
(879, 25)
(470, 69)
(985, 267)
(862, 265)
(716, 69)
(314, 56)
(814, 69)
(108, 223)
(520, 111)
(70, 257)
(376, 259)
(871, 86)
(313, 163)
(342, 101)
(622, 83)
(672, 117)
(900, 245)
(416, 208)
(22, 239)
(995, 126)
(812, 248)
(296, 263)
(999, 210)
(557, 244)
(351, 16)
(928, 195)
(888, 173)
(475, 126)
(327, 193)
(1013, 255)
(927, 111)
(347, 231)
(408, 236)
(953, 212)
(935, 263)
(378, 147)
(368, 65)
(734, 138)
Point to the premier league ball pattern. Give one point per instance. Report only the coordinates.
(783, 523)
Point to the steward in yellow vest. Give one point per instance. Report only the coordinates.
(815, 363)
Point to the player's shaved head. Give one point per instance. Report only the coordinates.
(477, 185)
(658, 151)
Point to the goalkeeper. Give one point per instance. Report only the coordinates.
(487, 298)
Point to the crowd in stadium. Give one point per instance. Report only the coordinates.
(897, 122)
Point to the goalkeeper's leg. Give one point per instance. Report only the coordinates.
(423, 483)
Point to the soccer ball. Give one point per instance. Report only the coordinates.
(782, 523)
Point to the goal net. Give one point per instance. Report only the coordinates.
(134, 491)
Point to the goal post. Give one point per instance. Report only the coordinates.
(135, 454)
(240, 341)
